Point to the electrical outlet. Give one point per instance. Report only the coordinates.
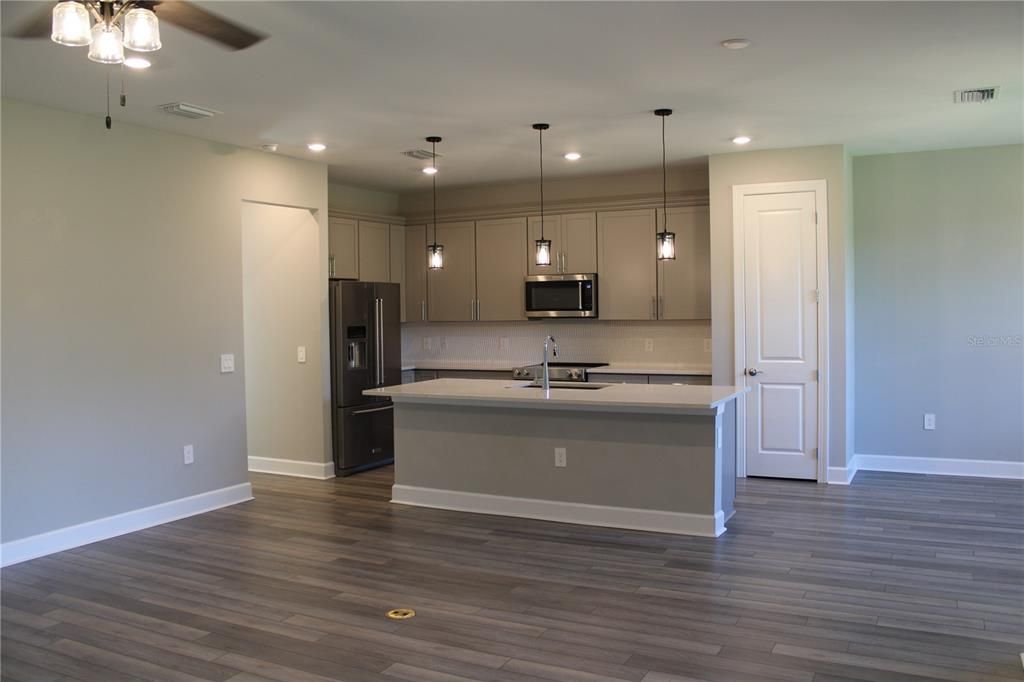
(560, 457)
(427, 345)
(929, 421)
(189, 454)
(503, 344)
(444, 343)
(707, 345)
(300, 354)
(649, 345)
(227, 363)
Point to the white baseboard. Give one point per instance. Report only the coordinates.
(842, 475)
(86, 533)
(292, 467)
(985, 468)
(709, 525)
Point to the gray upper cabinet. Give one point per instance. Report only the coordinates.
(627, 286)
(396, 255)
(501, 257)
(374, 258)
(416, 273)
(343, 248)
(451, 290)
(573, 243)
(684, 284)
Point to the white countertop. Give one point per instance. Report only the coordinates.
(612, 368)
(643, 398)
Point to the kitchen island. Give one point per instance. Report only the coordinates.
(648, 457)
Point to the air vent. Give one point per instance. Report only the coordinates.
(975, 95)
(421, 154)
(188, 110)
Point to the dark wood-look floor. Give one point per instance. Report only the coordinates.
(895, 578)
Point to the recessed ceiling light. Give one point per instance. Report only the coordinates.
(316, 146)
(573, 156)
(137, 63)
(429, 170)
(741, 139)
(735, 43)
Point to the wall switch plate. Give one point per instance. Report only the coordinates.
(227, 363)
(189, 454)
(707, 345)
(503, 344)
(649, 345)
(560, 457)
(929, 421)
(300, 354)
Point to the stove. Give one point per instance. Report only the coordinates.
(557, 371)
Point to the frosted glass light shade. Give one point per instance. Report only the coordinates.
(141, 30)
(543, 253)
(70, 24)
(106, 47)
(666, 246)
(435, 257)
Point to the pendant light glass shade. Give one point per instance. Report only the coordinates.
(435, 257)
(666, 245)
(543, 255)
(70, 25)
(141, 30)
(106, 47)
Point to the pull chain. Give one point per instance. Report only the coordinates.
(124, 95)
(109, 121)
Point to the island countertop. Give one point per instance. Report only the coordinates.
(642, 398)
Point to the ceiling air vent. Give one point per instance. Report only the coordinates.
(421, 154)
(188, 110)
(975, 95)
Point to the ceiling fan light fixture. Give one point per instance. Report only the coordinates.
(141, 30)
(107, 46)
(137, 63)
(70, 24)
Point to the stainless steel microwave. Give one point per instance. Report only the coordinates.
(561, 296)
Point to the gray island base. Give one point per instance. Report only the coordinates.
(647, 457)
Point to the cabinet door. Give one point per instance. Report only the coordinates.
(680, 379)
(618, 378)
(451, 291)
(396, 251)
(374, 261)
(343, 247)
(416, 273)
(627, 283)
(552, 231)
(500, 269)
(684, 284)
(579, 243)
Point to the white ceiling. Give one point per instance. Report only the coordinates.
(372, 79)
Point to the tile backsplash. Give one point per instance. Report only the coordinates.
(510, 344)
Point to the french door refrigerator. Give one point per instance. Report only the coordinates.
(366, 353)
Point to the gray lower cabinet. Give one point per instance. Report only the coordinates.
(689, 379)
(472, 374)
(618, 378)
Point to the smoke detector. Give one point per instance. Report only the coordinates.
(975, 95)
(188, 110)
(420, 154)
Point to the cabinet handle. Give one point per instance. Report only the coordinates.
(654, 307)
(330, 266)
(661, 307)
(423, 311)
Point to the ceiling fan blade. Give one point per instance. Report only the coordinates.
(207, 24)
(38, 25)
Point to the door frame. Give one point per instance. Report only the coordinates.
(739, 193)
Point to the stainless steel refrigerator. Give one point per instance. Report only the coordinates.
(366, 352)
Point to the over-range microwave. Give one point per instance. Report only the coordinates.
(561, 296)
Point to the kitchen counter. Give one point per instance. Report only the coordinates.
(649, 457)
(642, 398)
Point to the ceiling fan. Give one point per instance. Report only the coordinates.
(110, 26)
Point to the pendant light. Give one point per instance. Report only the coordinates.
(435, 252)
(543, 246)
(666, 239)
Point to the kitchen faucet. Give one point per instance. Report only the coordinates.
(554, 352)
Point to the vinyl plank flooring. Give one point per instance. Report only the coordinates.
(895, 578)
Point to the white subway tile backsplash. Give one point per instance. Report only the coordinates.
(509, 344)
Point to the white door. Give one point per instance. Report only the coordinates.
(781, 334)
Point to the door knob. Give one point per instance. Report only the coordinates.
(753, 371)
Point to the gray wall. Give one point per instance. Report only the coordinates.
(784, 165)
(287, 415)
(122, 285)
(940, 303)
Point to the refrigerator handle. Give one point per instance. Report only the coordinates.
(379, 314)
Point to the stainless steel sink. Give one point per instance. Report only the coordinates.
(571, 385)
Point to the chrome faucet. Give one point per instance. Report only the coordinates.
(554, 352)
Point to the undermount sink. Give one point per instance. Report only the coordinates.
(572, 385)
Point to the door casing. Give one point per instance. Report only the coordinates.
(739, 192)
